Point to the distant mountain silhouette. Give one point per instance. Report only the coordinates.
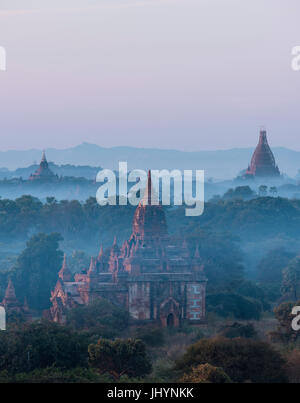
(220, 164)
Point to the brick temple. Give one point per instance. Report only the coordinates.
(263, 162)
(154, 278)
(43, 173)
(12, 304)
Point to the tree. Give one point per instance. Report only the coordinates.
(100, 318)
(251, 290)
(228, 305)
(270, 269)
(151, 335)
(273, 190)
(206, 373)
(37, 269)
(55, 375)
(291, 279)
(220, 255)
(237, 330)
(120, 357)
(293, 366)
(41, 345)
(240, 359)
(240, 192)
(263, 190)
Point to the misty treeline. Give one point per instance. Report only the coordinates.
(260, 217)
(220, 234)
(71, 218)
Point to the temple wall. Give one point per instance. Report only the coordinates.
(139, 300)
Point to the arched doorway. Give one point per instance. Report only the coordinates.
(170, 320)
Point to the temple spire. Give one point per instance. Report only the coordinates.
(149, 219)
(44, 159)
(64, 273)
(92, 272)
(10, 300)
(150, 197)
(100, 255)
(149, 187)
(10, 292)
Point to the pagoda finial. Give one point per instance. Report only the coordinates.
(44, 156)
(150, 197)
(92, 269)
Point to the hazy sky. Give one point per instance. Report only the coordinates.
(185, 74)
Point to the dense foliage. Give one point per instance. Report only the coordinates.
(228, 305)
(291, 279)
(120, 357)
(240, 359)
(206, 373)
(41, 345)
(237, 330)
(37, 268)
(258, 217)
(99, 319)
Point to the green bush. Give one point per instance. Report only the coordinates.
(100, 318)
(56, 375)
(243, 360)
(237, 330)
(152, 336)
(120, 357)
(40, 345)
(206, 373)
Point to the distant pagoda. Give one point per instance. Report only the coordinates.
(263, 163)
(43, 172)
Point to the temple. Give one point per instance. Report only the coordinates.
(12, 304)
(263, 162)
(43, 173)
(153, 278)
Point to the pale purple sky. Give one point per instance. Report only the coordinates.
(184, 74)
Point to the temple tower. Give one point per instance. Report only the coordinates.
(64, 273)
(149, 219)
(10, 301)
(263, 163)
